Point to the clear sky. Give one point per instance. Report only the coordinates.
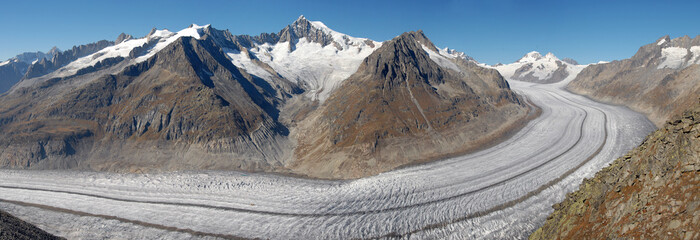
(490, 31)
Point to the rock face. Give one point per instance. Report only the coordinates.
(60, 59)
(653, 192)
(533, 67)
(12, 70)
(660, 80)
(202, 98)
(188, 98)
(12, 228)
(11, 73)
(401, 107)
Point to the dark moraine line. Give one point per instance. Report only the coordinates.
(428, 227)
(317, 214)
(327, 214)
(108, 217)
(517, 200)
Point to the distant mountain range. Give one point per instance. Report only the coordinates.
(307, 100)
(651, 192)
(533, 67)
(661, 80)
(12, 70)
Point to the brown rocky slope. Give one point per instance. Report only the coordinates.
(660, 80)
(401, 107)
(653, 192)
(186, 106)
(187, 100)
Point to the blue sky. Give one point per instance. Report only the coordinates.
(490, 31)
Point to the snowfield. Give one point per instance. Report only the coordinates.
(502, 192)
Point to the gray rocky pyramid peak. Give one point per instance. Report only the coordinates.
(122, 37)
(153, 31)
(54, 50)
(303, 28)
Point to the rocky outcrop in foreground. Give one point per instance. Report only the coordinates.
(653, 192)
(12, 228)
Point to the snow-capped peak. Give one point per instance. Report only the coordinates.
(550, 56)
(531, 57)
(534, 67)
(319, 59)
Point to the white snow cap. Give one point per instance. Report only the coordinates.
(541, 67)
(319, 69)
(162, 38)
(535, 56)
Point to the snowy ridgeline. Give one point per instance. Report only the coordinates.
(450, 193)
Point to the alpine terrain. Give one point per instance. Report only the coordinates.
(533, 67)
(660, 80)
(12, 70)
(306, 100)
(652, 192)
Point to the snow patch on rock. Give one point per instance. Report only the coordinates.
(673, 57)
(319, 69)
(441, 59)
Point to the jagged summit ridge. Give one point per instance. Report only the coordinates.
(245, 102)
(307, 53)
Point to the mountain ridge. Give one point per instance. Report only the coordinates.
(650, 193)
(660, 80)
(533, 67)
(425, 101)
(202, 98)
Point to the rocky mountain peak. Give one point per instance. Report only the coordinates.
(570, 61)
(150, 33)
(301, 18)
(54, 50)
(404, 49)
(302, 28)
(418, 36)
(122, 37)
(663, 40)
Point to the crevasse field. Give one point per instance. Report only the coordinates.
(504, 192)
